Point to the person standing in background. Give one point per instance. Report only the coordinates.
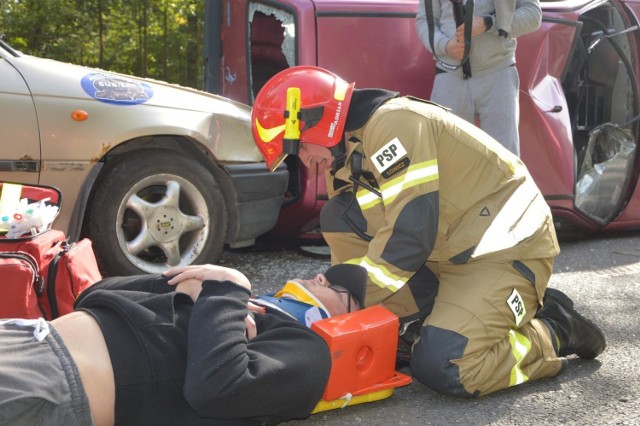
(474, 44)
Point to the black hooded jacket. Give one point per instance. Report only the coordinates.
(181, 362)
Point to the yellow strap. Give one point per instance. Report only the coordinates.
(352, 400)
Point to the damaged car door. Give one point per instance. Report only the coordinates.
(579, 112)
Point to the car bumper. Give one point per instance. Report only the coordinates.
(259, 199)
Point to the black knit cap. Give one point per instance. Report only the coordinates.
(351, 277)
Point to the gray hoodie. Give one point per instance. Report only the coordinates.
(492, 50)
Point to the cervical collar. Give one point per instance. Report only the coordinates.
(298, 302)
(297, 291)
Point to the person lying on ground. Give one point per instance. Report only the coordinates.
(186, 348)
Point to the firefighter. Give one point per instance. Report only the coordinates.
(413, 191)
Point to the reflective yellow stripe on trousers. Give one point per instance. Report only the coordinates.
(520, 347)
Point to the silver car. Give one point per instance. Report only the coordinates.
(156, 175)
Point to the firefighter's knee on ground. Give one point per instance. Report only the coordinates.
(430, 360)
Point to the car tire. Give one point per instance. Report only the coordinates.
(152, 210)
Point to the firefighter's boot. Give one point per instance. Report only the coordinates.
(573, 333)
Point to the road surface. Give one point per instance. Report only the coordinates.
(601, 274)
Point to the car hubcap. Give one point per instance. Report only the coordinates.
(162, 222)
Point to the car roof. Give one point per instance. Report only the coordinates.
(410, 5)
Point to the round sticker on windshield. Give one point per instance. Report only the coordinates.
(116, 90)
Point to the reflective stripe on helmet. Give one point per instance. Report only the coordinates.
(267, 135)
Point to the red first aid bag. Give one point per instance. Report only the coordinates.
(20, 279)
(43, 274)
(71, 270)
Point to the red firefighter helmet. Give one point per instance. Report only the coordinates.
(299, 104)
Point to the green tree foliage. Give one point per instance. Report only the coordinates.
(161, 39)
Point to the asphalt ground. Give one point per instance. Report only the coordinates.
(602, 276)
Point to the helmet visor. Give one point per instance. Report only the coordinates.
(273, 164)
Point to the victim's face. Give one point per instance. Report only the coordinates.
(335, 299)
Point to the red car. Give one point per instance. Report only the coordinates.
(579, 101)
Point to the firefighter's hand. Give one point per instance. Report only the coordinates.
(455, 49)
(202, 273)
(477, 28)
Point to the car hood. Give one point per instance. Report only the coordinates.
(47, 77)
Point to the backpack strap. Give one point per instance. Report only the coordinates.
(467, 14)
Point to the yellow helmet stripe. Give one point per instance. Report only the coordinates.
(267, 135)
(340, 91)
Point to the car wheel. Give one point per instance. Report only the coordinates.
(153, 210)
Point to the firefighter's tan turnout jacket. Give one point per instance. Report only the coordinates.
(439, 190)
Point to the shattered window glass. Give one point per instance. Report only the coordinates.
(272, 43)
(603, 172)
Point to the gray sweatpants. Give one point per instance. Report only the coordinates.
(492, 99)
(39, 381)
